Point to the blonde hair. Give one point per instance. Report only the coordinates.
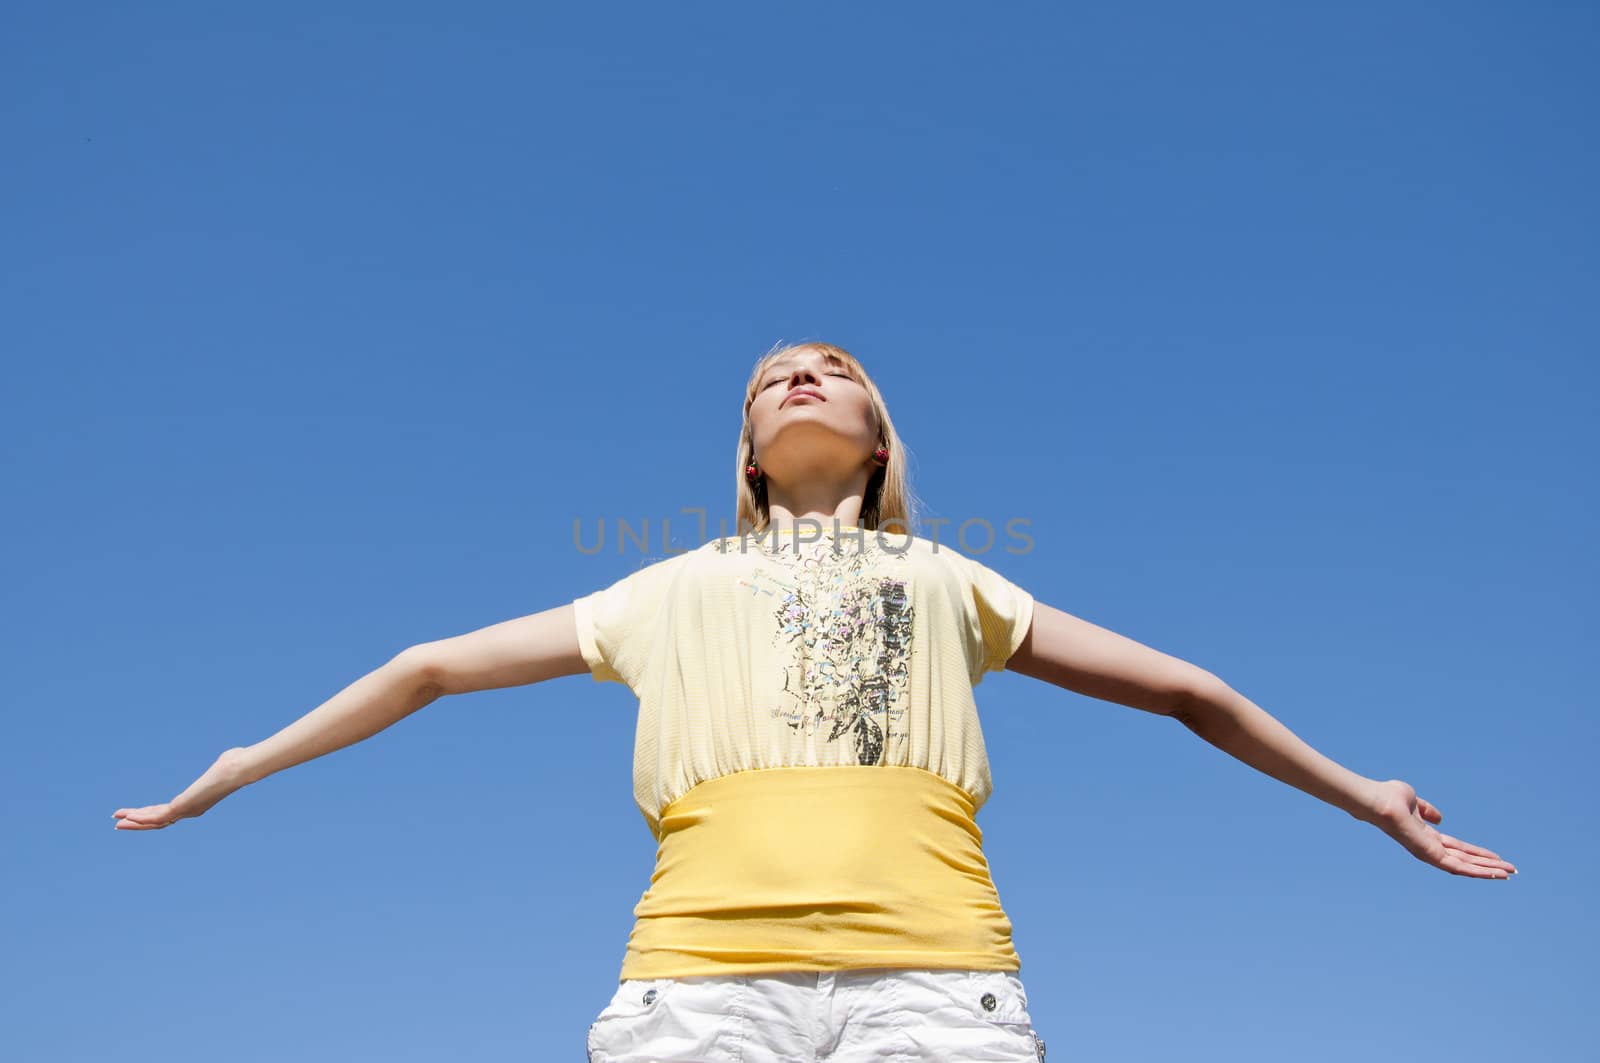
(887, 498)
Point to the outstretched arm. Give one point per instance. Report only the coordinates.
(516, 652)
(1076, 655)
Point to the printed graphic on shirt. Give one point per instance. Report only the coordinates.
(846, 634)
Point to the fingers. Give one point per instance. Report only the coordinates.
(1464, 858)
(133, 822)
(1468, 847)
(150, 817)
(1429, 811)
(1460, 866)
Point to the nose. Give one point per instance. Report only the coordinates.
(804, 375)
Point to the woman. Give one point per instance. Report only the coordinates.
(808, 754)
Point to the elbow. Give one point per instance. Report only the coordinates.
(1200, 692)
(422, 670)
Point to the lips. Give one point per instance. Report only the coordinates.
(802, 391)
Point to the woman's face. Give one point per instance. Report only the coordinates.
(809, 417)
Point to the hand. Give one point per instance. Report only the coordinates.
(1405, 817)
(221, 779)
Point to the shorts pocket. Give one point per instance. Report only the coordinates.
(999, 996)
(627, 1018)
(994, 997)
(968, 1015)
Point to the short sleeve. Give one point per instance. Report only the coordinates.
(1000, 613)
(618, 624)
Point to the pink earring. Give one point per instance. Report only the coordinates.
(752, 473)
(881, 454)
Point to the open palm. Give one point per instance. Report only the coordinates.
(1408, 819)
(221, 779)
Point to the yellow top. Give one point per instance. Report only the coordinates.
(807, 753)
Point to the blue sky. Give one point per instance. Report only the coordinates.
(323, 323)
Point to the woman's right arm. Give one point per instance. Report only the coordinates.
(516, 652)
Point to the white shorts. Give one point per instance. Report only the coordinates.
(880, 1014)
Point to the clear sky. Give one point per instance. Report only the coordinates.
(323, 323)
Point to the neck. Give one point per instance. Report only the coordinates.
(846, 515)
(809, 526)
(816, 502)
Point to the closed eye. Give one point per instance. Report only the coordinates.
(780, 379)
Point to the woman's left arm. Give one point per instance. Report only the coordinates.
(1077, 655)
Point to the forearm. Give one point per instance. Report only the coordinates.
(378, 699)
(1237, 726)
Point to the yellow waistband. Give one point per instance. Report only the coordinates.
(820, 868)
